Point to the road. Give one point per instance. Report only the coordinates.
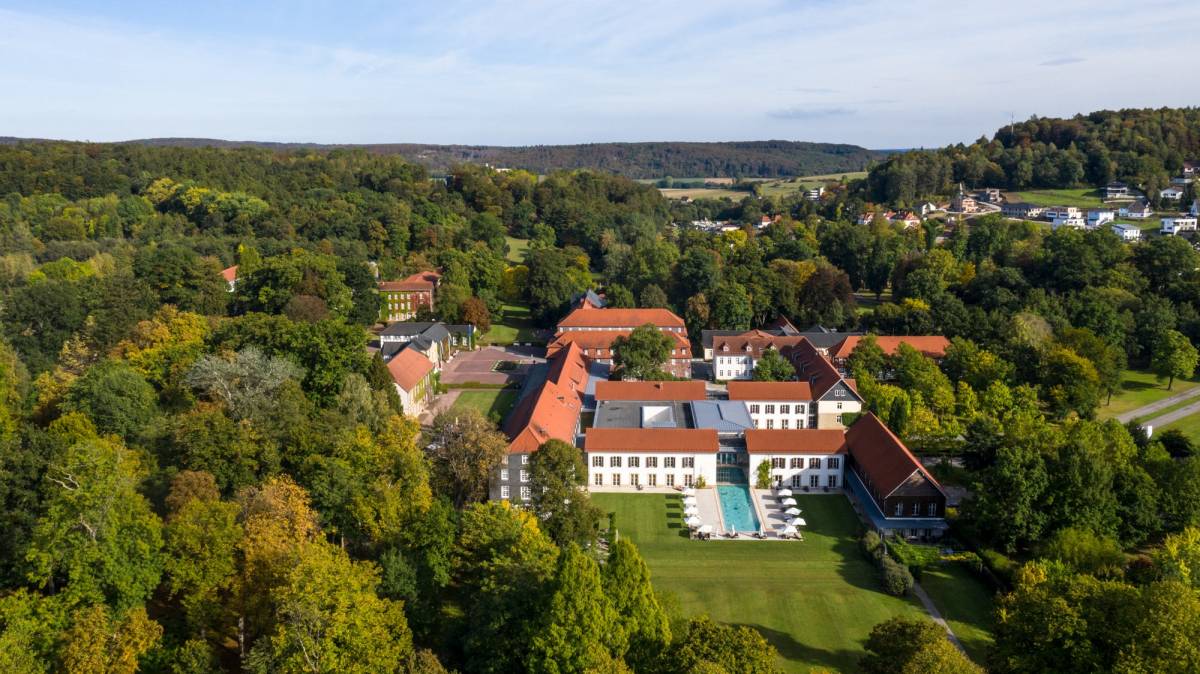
(1174, 415)
(1147, 410)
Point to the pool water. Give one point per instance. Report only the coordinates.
(730, 474)
(737, 508)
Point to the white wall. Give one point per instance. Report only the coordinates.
(735, 366)
(796, 417)
(786, 475)
(705, 464)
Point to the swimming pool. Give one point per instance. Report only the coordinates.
(737, 508)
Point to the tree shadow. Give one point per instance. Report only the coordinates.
(1138, 385)
(838, 659)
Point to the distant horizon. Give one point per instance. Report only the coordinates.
(534, 72)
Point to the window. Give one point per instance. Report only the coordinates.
(799, 409)
(783, 424)
(770, 409)
(525, 493)
(635, 462)
(598, 479)
(916, 509)
(670, 479)
(770, 423)
(832, 481)
(689, 462)
(838, 418)
(633, 480)
(524, 459)
(814, 481)
(796, 481)
(652, 480)
(652, 462)
(524, 476)
(754, 409)
(504, 475)
(933, 509)
(504, 492)
(785, 409)
(839, 393)
(814, 463)
(687, 480)
(797, 463)
(614, 462)
(839, 406)
(900, 509)
(777, 463)
(833, 462)
(616, 479)
(668, 462)
(597, 461)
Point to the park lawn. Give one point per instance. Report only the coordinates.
(492, 403)
(516, 249)
(1189, 426)
(965, 602)
(1138, 388)
(514, 324)
(815, 600)
(1086, 197)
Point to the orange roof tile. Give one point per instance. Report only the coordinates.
(409, 367)
(651, 440)
(770, 390)
(603, 339)
(552, 411)
(796, 441)
(757, 341)
(879, 454)
(650, 390)
(230, 274)
(422, 280)
(933, 346)
(591, 317)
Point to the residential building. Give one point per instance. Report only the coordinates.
(990, 195)
(1022, 210)
(436, 340)
(1191, 168)
(1178, 224)
(1172, 192)
(868, 217)
(1117, 190)
(963, 202)
(736, 356)
(928, 207)
(897, 494)
(799, 459)
(595, 329)
(814, 194)
(404, 298)
(412, 373)
(776, 404)
(1139, 210)
(1097, 218)
(1074, 222)
(908, 219)
(230, 274)
(1127, 232)
(550, 411)
(1065, 212)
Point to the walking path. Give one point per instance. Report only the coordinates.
(1147, 410)
(936, 615)
(1174, 415)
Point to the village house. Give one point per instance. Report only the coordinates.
(1022, 210)
(814, 194)
(1139, 209)
(1065, 212)
(1074, 222)
(1117, 190)
(1177, 225)
(1128, 233)
(908, 219)
(898, 495)
(594, 330)
(404, 298)
(412, 374)
(1097, 218)
(990, 195)
(1172, 192)
(1191, 168)
(928, 207)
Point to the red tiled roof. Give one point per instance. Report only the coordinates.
(422, 280)
(687, 440)
(552, 411)
(409, 367)
(757, 340)
(770, 390)
(230, 274)
(596, 340)
(879, 454)
(933, 346)
(568, 369)
(650, 390)
(796, 441)
(588, 316)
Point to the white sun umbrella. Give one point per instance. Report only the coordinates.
(693, 521)
(789, 501)
(799, 522)
(792, 511)
(788, 530)
(785, 492)
(691, 510)
(706, 529)
(689, 501)
(688, 491)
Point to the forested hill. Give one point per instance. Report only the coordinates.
(748, 159)
(1145, 147)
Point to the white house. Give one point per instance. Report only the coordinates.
(1172, 192)
(1074, 221)
(1064, 212)
(799, 459)
(1098, 218)
(654, 457)
(1139, 209)
(777, 404)
(815, 194)
(1127, 232)
(1178, 224)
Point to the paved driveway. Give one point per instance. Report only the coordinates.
(479, 366)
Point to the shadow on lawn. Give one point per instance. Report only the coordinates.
(1138, 385)
(790, 649)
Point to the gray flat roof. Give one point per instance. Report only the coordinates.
(726, 416)
(628, 414)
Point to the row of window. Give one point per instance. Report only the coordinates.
(787, 423)
(814, 481)
(504, 475)
(636, 461)
(636, 480)
(832, 462)
(770, 409)
(930, 510)
(505, 492)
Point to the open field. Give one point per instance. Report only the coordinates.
(1085, 197)
(815, 600)
(703, 193)
(516, 248)
(493, 404)
(965, 603)
(1138, 388)
(790, 186)
(771, 187)
(514, 324)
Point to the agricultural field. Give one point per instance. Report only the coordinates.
(1085, 197)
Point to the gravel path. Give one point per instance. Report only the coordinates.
(936, 615)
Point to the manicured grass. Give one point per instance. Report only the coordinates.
(516, 249)
(1086, 197)
(1189, 426)
(494, 404)
(1138, 388)
(515, 324)
(966, 604)
(815, 600)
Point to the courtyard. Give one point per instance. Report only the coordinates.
(815, 600)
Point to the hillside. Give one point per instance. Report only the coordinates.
(749, 159)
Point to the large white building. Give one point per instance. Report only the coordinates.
(1178, 224)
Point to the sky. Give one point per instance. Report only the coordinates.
(882, 74)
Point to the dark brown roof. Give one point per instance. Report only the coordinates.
(885, 462)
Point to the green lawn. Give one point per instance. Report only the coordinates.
(514, 324)
(491, 403)
(1138, 388)
(814, 600)
(1087, 197)
(965, 603)
(516, 249)
(1189, 426)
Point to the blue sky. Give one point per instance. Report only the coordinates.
(874, 73)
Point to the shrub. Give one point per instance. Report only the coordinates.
(1003, 567)
(762, 478)
(896, 579)
(872, 545)
(700, 483)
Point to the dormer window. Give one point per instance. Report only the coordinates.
(724, 347)
(748, 347)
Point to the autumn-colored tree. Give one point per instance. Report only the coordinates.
(464, 449)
